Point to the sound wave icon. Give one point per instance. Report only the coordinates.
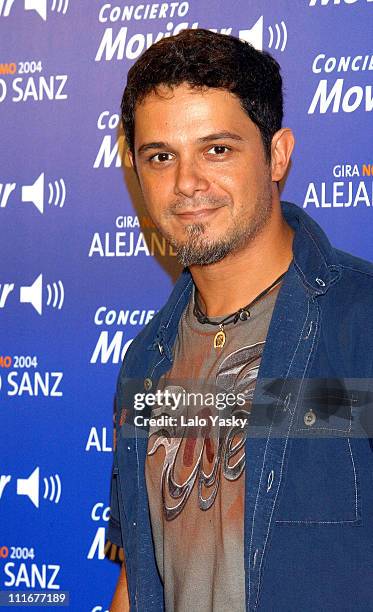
(62, 7)
(281, 36)
(57, 293)
(54, 484)
(57, 193)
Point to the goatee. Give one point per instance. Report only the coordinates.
(197, 250)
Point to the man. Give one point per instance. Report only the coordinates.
(273, 511)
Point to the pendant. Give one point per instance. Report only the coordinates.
(219, 338)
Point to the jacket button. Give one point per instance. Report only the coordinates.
(148, 384)
(271, 476)
(309, 418)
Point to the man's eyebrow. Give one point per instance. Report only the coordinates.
(149, 146)
(220, 136)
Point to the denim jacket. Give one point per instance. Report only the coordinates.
(308, 524)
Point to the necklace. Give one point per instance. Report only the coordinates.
(242, 314)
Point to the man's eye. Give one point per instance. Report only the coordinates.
(161, 157)
(218, 149)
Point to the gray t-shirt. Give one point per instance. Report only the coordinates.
(195, 473)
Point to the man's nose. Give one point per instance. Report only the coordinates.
(189, 179)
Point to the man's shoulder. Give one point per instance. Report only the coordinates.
(354, 268)
(354, 289)
(147, 336)
(135, 359)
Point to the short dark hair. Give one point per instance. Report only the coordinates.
(202, 58)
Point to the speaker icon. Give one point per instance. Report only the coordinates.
(33, 294)
(35, 193)
(278, 35)
(40, 6)
(254, 35)
(31, 487)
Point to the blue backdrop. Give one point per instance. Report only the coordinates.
(82, 268)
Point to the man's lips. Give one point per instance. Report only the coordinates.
(198, 213)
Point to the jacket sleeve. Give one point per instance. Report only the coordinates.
(113, 532)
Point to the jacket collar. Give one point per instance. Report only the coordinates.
(314, 257)
(314, 260)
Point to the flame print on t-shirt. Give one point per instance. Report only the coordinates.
(201, 456)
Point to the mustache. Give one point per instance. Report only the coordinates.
(197, 203)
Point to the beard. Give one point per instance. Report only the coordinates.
(198, 250)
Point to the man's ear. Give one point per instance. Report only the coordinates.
(131, 158)
(281, 150)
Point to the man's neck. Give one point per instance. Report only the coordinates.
(237, 279)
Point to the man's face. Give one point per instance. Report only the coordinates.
(202, 170)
